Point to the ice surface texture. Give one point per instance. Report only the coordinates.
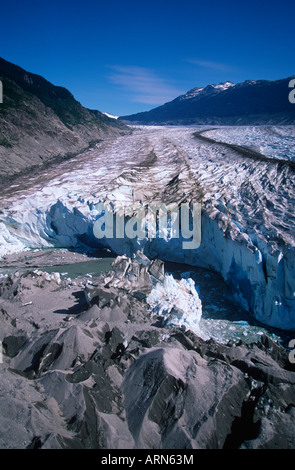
(247, 208)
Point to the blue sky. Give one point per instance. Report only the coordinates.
(128, 56)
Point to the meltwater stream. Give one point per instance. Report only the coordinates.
(223, 319)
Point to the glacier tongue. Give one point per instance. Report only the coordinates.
(247, 211)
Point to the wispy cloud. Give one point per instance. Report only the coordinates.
(143, 85)
(210, 65)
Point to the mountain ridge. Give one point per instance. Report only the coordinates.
(41, 123)
(249, 102)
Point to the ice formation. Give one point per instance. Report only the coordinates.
(247, 208)
(177, 302)
(272, 141)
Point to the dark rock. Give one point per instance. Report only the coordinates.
(115, 345)
(13, 344)
(110, 378)
(147, 339)
(35, 444)
(192, 402)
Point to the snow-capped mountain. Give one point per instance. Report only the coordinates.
(110, 115)
(249, 102)
(197, 91)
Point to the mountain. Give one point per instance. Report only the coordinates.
(41, 123)
(251, 102)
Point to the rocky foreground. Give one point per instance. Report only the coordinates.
(88, 364)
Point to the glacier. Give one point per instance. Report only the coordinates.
(247, 220)
(272, 141)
